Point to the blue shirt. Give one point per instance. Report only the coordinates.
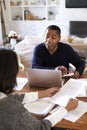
(64, 55)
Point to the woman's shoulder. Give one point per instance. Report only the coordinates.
(10, 102)
(7, 99)
(9, 106)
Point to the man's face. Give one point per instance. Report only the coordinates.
(51, 39)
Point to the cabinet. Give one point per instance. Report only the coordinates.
(32, 16)
(34, 9)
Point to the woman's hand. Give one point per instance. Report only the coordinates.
(48, 92)
(72, 104)
(63, 69)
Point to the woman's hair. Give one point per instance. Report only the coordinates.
(8, 70)
(54, 27)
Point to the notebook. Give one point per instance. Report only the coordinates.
(44, 78)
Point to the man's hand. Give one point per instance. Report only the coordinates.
(63, 69)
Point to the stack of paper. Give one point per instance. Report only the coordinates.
(84, 79)
(69, 90)
(75, 114)
(40, 107)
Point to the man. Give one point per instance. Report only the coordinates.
(53, 54)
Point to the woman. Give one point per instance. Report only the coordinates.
(13, 114)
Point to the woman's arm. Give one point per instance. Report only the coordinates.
(60, 113)
(32, 96)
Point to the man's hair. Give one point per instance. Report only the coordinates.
(54, 27)
(8, 70)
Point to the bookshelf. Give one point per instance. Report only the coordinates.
(32, 14)
(34, 9)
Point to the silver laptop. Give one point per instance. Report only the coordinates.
(44, 78)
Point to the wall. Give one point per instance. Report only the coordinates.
(71, 14)
(66, 15)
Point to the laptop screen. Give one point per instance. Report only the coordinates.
(44, 78)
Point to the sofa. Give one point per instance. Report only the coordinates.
(24, 49)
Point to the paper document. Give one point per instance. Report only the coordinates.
(84, 79)
(68, 75)
(40, 107)
(20, 83)
(69, 90)
(75, 114)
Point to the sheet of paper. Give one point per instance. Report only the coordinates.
(68, 75)
(20, 83)
(39, 107)
(84, 79)
(75, 114)
(69, 90)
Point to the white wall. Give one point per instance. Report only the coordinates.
(71, 14)
(66, 15)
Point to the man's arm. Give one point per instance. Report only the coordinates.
(76, 61)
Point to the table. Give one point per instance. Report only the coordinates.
(80, 124)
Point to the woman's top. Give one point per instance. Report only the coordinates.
(14, 116)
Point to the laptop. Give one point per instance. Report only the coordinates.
(44, 78)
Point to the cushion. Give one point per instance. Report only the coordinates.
(32, 40)
(77, 40)
(25, 49)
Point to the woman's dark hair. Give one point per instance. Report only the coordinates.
(8, 70)
(54, 27)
